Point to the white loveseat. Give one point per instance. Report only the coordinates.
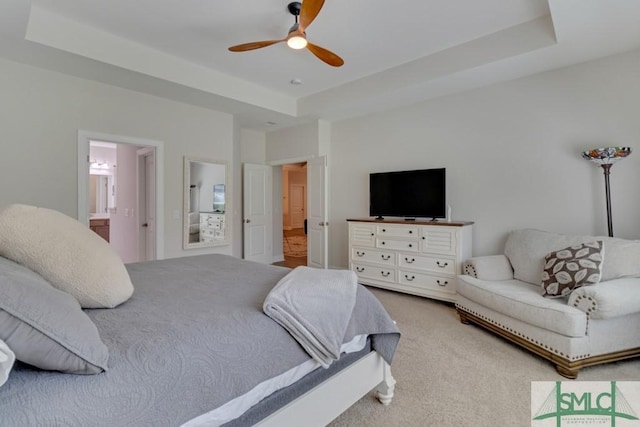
(592, 324)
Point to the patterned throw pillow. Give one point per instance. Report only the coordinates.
(571, 268)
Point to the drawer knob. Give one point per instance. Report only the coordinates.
(384, 230)
(359, 269)
(410, 245)
(385, 257)
(410, 231)
(373, 234)
(443, 265)
(385, 273)
(409, 261)
(360, 254)
(410, 279)
(383, 242)
(442, 284)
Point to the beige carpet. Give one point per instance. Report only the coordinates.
(450, 374)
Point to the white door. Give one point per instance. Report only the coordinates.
(296, 195)
(257, 213)
(317, 235)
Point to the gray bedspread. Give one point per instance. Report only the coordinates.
(192, 337)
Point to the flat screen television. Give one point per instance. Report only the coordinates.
(409, 194)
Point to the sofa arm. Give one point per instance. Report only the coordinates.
(608, 299)
(493, 267)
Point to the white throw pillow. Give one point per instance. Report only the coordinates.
(66, 253)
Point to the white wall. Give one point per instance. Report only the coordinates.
(41, 112)
(253, 146)
(512, 153)
(296, 143)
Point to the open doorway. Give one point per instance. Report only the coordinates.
(120, 193)
(122, 198)
(294, 214)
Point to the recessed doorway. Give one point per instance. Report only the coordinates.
(294, 214)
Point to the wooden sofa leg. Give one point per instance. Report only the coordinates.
(463, 317)
(571, 373)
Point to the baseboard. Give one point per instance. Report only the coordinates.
(277, 258)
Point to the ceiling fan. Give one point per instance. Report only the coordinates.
(297, 37)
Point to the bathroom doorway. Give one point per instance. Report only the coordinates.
(120, 190)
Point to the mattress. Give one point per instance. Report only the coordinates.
(192, 338)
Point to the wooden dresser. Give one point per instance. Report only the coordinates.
(417, 257)
(100, 226)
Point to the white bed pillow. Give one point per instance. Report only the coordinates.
(66, 253)
(6, 362)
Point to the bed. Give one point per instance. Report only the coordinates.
(193, 346)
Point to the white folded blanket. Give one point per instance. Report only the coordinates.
(315, 307)
(6, 361)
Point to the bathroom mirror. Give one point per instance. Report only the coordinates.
(102, 194)
(206, 203)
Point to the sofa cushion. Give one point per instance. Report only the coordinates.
(622, 258)
(522, 301)
(527, 248)
(571, 268)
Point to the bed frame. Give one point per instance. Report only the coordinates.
(323, 403)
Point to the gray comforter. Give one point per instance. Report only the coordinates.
(192, 337)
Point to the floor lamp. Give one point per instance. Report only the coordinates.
(606, 157)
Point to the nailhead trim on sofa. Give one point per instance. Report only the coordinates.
(586, 304)
(514, 332)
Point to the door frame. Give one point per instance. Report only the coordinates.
(84, 139)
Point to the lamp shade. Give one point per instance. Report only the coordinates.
(609, 155)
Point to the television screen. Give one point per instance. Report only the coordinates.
(417, 194)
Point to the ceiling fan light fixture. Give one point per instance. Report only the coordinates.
(297, 42)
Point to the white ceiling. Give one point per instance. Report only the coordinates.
(396, 52)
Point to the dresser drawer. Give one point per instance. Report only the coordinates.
(425, 262)
(397, 231)
(209, 218)
(402, 245)
(212, 226)
(373, 256)
(211, 233)
(375, 273)
(427, 281)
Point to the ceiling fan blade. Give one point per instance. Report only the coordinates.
(253, 45)
(325, 55)
(309, 11)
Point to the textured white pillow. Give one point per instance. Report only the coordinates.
(66, 253)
